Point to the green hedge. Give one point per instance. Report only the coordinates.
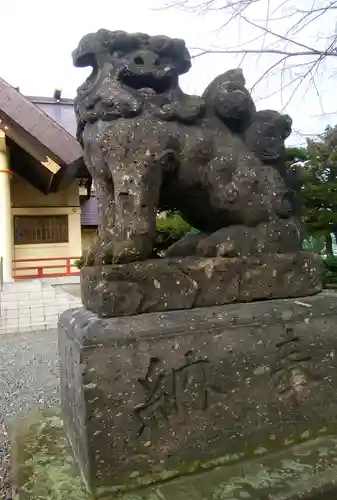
(170, 229)
(330, 270)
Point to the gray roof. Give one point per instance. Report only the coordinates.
(27, 126)
(60, 110)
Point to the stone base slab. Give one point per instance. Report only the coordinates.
(42, 463)
(185, 283)
(159, 395)
(305, 471)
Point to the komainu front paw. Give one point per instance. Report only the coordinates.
(121, 251)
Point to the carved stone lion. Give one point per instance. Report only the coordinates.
(149, 146)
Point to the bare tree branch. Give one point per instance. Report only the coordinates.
(277, 35)
(302, 31)
(258, 51)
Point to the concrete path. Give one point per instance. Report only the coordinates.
(33, 305)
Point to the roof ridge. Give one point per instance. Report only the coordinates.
(10, 107)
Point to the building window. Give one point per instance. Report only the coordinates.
(36, 229)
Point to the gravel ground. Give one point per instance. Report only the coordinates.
(28, 379)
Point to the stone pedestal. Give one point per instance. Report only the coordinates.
(184, 283)
(161, 395)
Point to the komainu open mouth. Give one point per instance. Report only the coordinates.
(146, 81)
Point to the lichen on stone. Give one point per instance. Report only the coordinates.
(43, 466)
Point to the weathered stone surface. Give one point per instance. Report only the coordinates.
(265, 136)
(270, 238)
(149, 146)
(158, 395)
(170, 284)
(229, 99)
(307, 470)
(234, 241)
(186, 246)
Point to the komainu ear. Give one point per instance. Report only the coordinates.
(182, 56)
(90, 46)
(85, 54)
(287, 126)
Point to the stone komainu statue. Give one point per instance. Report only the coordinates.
(149, 146)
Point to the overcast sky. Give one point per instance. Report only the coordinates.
(38, 36)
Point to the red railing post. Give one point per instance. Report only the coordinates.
(68, 267)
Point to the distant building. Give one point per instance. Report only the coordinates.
(42, 187)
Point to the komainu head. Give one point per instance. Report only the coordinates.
(136, 61)
(127, 69)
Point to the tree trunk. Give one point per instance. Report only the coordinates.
(328, 245)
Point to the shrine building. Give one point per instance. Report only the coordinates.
(44, 188)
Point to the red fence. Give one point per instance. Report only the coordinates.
(64, 266)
